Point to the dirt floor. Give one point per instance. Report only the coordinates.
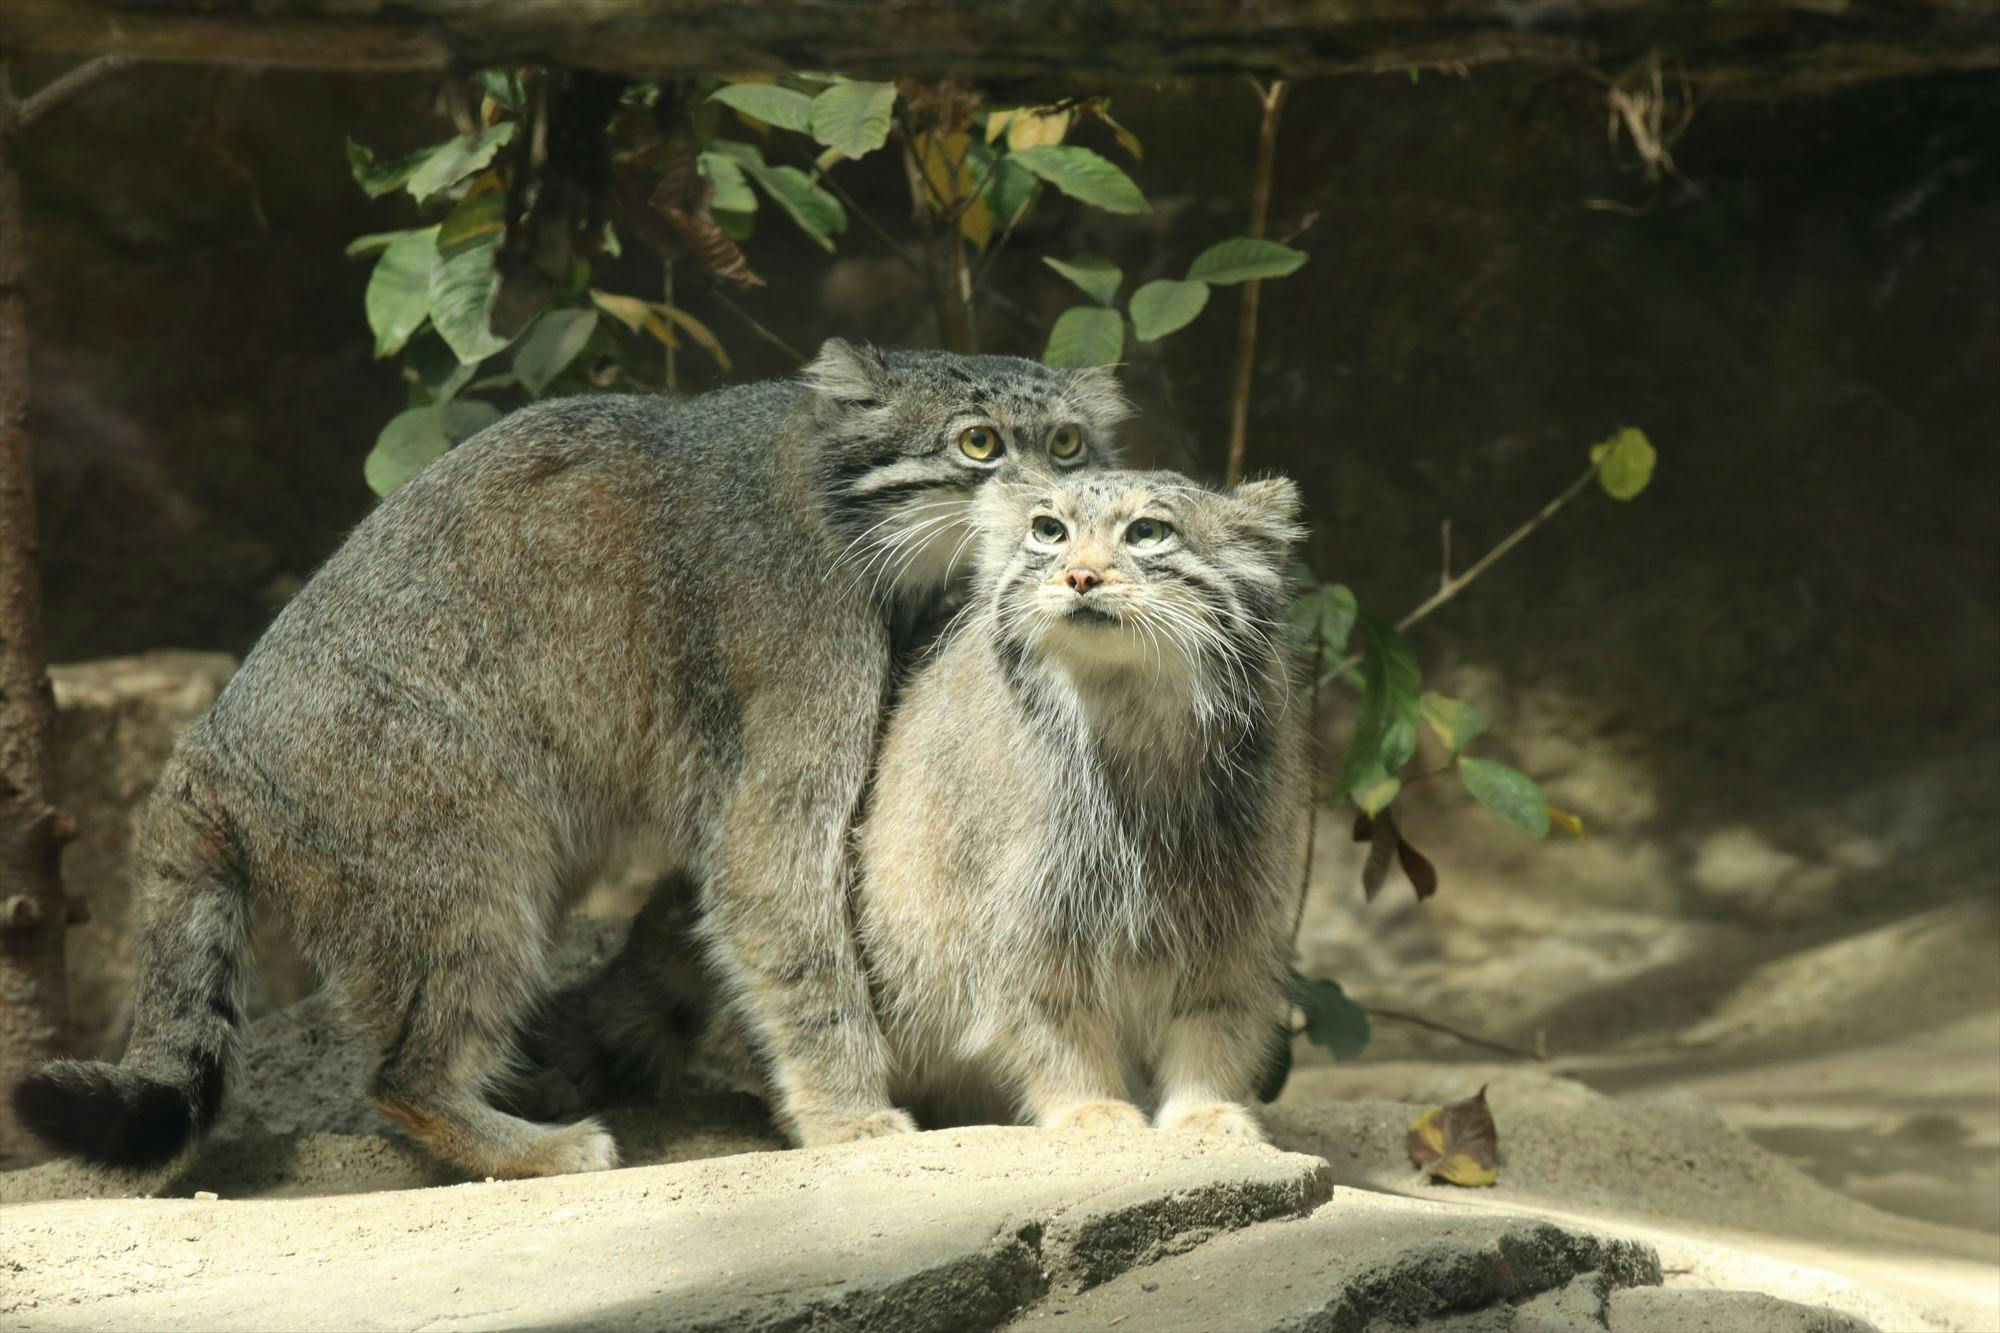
(1805, 1110)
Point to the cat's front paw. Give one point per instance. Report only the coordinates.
(821, 1131)
(1224, 1120)
(1104, 1114)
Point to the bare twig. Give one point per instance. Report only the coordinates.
(63, 87)
(895, 247)
(756, 325)
(1273, 102)
(1006, 234)
(1446, 1029)
(1452, 585)
(673, 384)
(1444, 562)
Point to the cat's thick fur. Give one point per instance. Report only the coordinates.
(1083, 846)
(1081, 857)
(601, 618)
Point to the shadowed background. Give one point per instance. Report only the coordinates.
(1767, 685)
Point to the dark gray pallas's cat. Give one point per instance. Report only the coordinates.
(602, 618)
(1081, 855)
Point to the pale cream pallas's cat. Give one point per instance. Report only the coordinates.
(1083, 848)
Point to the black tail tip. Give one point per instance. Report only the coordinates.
(106, 1115)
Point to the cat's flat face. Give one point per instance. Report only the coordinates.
(915, 436)
(1118, 571)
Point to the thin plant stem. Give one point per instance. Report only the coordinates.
(1006, 234)
(756, 325)
(868, 220)
(673, 384)
(1273, 102)
(1451, 585)
(1471, 1039)
(1446, 1029)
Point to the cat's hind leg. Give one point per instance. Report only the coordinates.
(445, 992)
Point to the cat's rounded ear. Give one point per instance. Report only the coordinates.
(1095, 392)
(1268, 509)
(849, 374)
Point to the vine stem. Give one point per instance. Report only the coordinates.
(1445, 1029)
(1451, 585)
(756, 325)
(1272, 99)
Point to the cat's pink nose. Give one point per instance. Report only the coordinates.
(1082, 580)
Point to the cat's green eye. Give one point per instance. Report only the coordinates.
(1067, 442)
(979, 443)
(1147, 532)
(1049, 531)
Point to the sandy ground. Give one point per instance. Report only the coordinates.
(1810, 1110)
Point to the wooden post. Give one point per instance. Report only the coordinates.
(33, 996)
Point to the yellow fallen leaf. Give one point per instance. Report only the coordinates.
(1566, 821)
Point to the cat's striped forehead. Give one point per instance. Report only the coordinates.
(1108, 496)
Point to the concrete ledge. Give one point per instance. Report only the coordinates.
(950, 1230)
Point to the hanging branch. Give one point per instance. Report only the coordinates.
(63, 87)
(1273, 102)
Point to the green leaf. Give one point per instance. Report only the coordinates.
(1457, 723)
(398, 296)
(550, 345)
(1086, 336)
(459, 159)
(1083, 175)
(818, 214)
(853, 117)
(1325, 614)
(1385, 729)
(1332, 1020)
(1508, 793)
(1164, 305)
(377, 177)
(1007, 187)
(462, 282)
(1241, 259)
(375, 242)
(1277, 1070)
(1099, 278)
(1629, 465)
(783, 107)
(413, 439)
(502, 87)
(732, 191)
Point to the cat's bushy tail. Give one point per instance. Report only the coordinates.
(147, 1110)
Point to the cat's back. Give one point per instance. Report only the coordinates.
(524, 571)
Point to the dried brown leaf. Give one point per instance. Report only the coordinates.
(1423, 875)
(1382, 841)
(1458, 1144)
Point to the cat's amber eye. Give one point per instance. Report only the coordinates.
(979, 443)
(1067, 442)
(1147, 532)
(1049, 531)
